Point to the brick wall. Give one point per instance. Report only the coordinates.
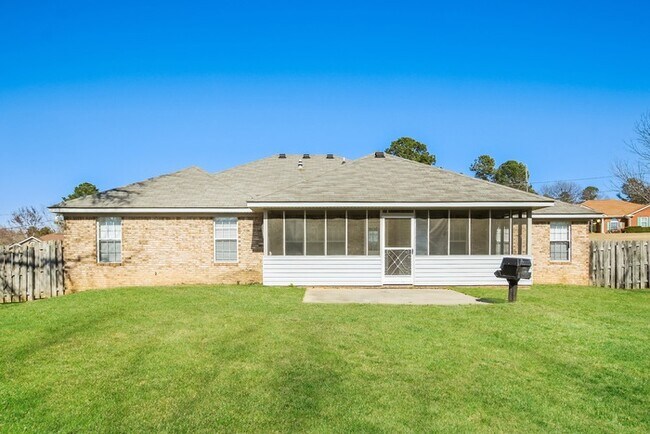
(635, 218)
(180, 250)
(574, 272)
(160, 251)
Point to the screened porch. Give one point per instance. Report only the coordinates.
(375, 247)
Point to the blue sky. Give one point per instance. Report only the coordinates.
(116, 92)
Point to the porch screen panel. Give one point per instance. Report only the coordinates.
(336, 232)
(500, 232)
(294, 225)
(356, 232)
(519, 232)
(398, 232)
(275, 229)
(373, 233)
(480, 231)
(459, 233)
(421, 232)
(315, 236)
(438, 232)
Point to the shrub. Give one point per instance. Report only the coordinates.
(636, 229)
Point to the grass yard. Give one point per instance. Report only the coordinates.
(251, 358)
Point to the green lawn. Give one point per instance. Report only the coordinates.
(250, 358)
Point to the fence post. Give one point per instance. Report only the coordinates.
(59, 267)
(3, 274)
(644, 264)
(592, 262)
(20, 274)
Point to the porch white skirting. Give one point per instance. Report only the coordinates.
(367, 270)
(459, 270)
(322, 270)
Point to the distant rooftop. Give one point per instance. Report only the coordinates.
(614, 207)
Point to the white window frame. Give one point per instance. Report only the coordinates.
(569, 248)
(646, 220)
(100, 239)
(618, 224)
(215, 239)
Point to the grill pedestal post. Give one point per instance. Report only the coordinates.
(513, 285)
(513, 269)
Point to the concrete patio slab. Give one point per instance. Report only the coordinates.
(444, 297)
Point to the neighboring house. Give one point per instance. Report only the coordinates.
(52, 237)
(619, 214)
(29, 241)
(319, 220)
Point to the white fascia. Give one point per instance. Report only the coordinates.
(388, 205)
(567, 216)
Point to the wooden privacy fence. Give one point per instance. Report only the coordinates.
(620, 264)
(31, 272)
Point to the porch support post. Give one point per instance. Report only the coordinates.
(265, 232)
(529, 234)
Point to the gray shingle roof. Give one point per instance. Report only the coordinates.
(195, 188)
(394, 179)
(191, 187)
(262, 177)
(566, 209)
(368, 179)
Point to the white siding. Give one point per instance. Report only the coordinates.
(322, 270)
(459, 270)
(367, 270)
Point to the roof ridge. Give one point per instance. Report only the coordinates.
(242, 165)
(372, 156)
(574, 204)
(270, 157)
(344, 163)
(451, 172)
(230, 184)
(132, 184)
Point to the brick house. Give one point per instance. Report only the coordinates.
(319, 220)
(619, 214)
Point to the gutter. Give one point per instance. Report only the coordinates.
(567, 216)
(118, 210)
(389, 205)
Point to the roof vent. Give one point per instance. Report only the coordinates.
(282, 156)
(300, 164)
(379, 155)
(330, 156)
(305, 156)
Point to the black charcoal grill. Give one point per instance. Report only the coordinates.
(514, 269)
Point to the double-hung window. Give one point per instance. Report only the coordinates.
(644, 222)
(225, 239)
(560, 241)
(109, 240)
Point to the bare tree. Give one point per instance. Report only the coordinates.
(563, 190)
(640, 145)
(30, 221)
(9, 236)
(633, 178)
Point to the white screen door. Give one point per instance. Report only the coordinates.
(398, 249)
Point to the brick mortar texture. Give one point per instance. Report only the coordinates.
(574, 272)
(161, 251)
